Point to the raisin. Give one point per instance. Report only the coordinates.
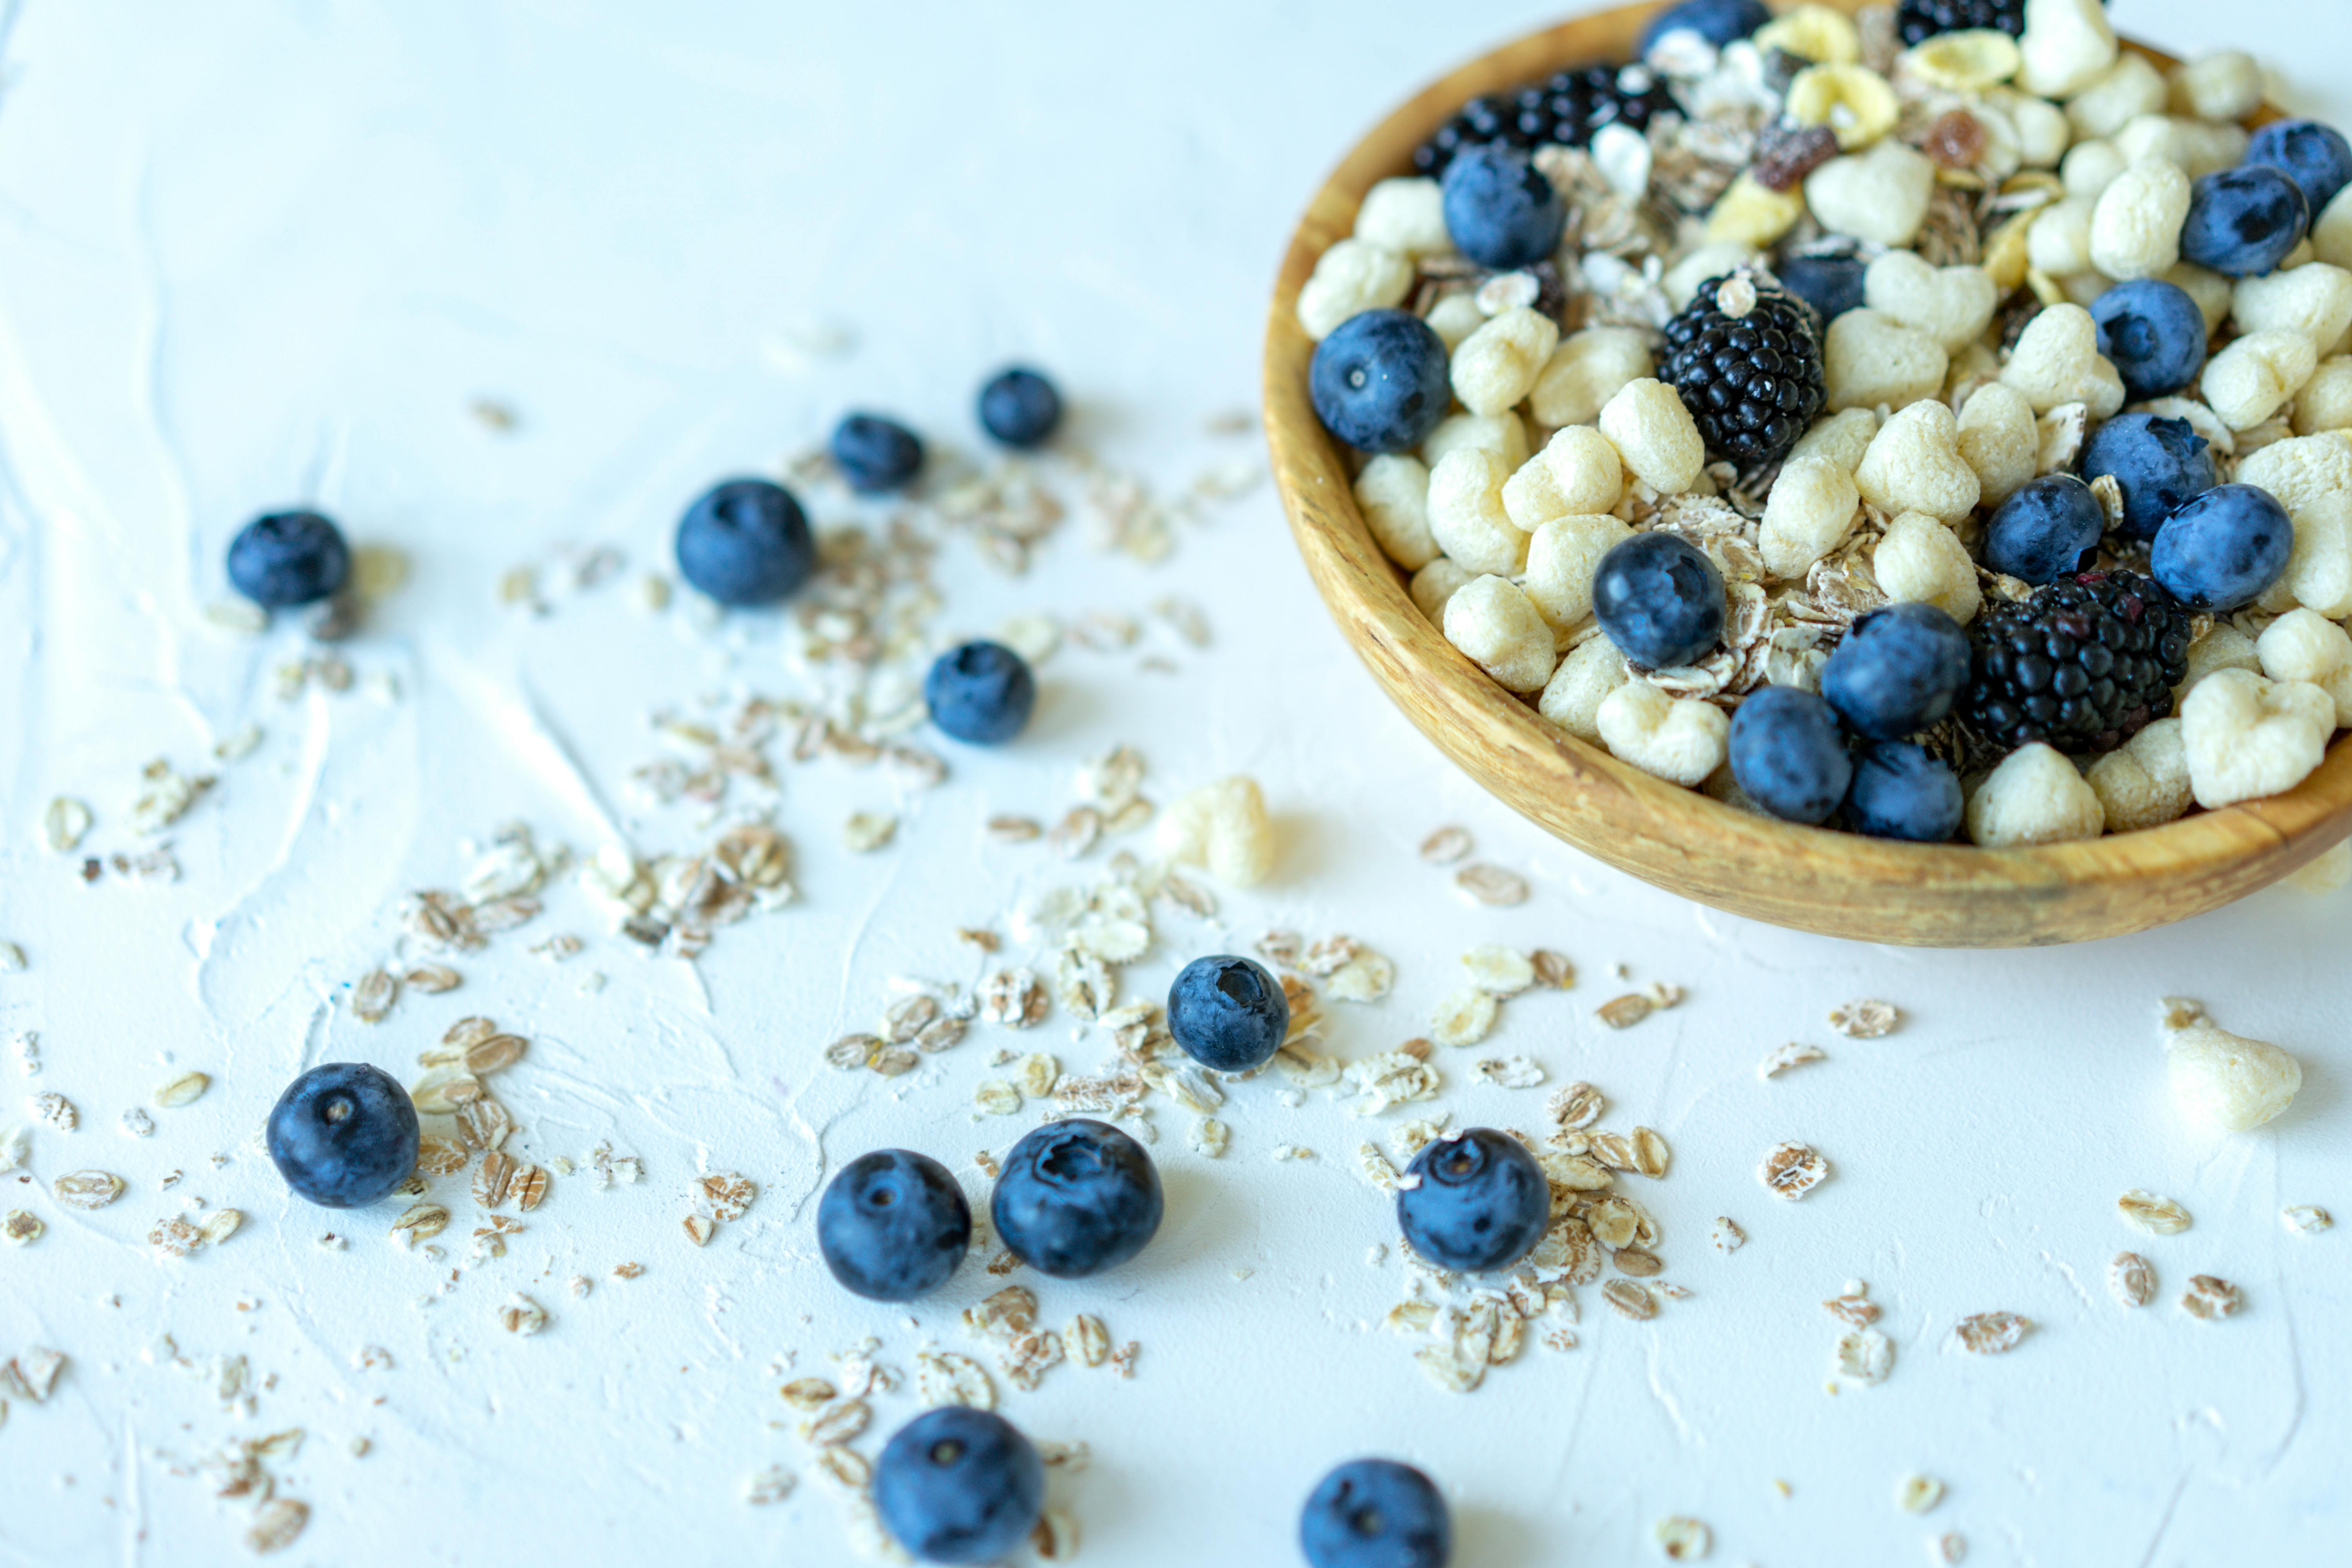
(1785, 155)
(1957, 139)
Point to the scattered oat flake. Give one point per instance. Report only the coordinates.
(1630, 1297)
(1464, 1017)
(521, 1315)
(1552, 970)
(1446, 846)
(277, 1524)
(64, 824)
(1916, 1493)
(772, 1485)
(1726, 1235)
(2210, 1297)
(1990, 1333)
(1682, 1539)
(2308, 1219)
(1853, 1308)
(866, 831)
(1863, 1355)
(2132, 1279)
(1950, 1547)
(20, 1227)
(372, 997)
(699, 1228)
(1791, 1170)
(1865, 1020)
(2145, 1211)
(1508, 1072)
(1624, 1012)
(2178, 1011)
(185, 1090)
(1577, 1106)
(1492, 884)
(1209, 1137)
(1794, 1054)
(728, 1193)
(88, 1189)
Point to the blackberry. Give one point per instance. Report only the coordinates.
(2086, 664)
(1751, 380)
(1920, 20)
(1566, 109)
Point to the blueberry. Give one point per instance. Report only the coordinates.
(2314, 156)
(1375, 1513)
(893, 1226)
(1899, 791)
(745, 541)
(2243, 221)
(1500, 209)
(1020, 408)
(981, 692)
(1074, 1198)
(2159, 463)
(958, 1485)
(1832, 285)
(1789, 754)
(1379, 381)
(343, 1134)
(874, 454)
(1481, 1202)
(289, 558)
(2041, 532)
(1228, 1014)
(2154, 333)
(1719, 22)
(1898, 671)
(1660, 599)
(2223, 548)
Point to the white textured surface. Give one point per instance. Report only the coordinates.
(250, 253)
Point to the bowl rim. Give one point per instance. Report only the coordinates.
(2211, 857)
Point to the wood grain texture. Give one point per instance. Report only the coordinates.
(1838, 884)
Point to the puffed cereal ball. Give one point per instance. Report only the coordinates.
(1434, 587)
(1914, 464)
(1466, 513)
(1496, 366)
(1573, 696)
(1920, 560)
(1502, 434)
(1868, 359)
(1842, 438)
(1561, 558)
(1406, 215)
(1394, 491)
(1880, 194)
(1654, 436)
(2248, 737)
(2145, 782)
(2311, 476)
(2303, 645)
(1349, 279)
(1586, 370)
(2034, 796)
(2136, 224)
(1223, 829)
(2228, 1082)
(1810, 511)
(1497, 626)
(1999, 440)
(2057, 361)
(1680, 740)
(2225, 85)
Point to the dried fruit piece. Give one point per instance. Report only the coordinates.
(1786, 153)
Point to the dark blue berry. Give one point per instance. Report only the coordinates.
(1789, 754)
(2223, 548)
(874, 454)
(2314, 156)
(1901, 792)
(1375, 1513)
(1719, 22)
(1660, 599)
(289, 558)
(981, 692)
(1020, 408)
(2157, 462)
(1898, 671)
(2154, 333)
(893, 1226)
(2242, 222)
(1227, 1012)
(745, 541)
(1481, 1202)
(1379, 381)
(1074, 1198)
(958, 1485)
(1500, 210)
(343, 1134)
(1832, 285)
(2041, 532)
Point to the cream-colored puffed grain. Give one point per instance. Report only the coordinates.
(2066, 46)
(1466, 516)
(1349, 278)
(1455, 318)
(1914, 464)
(2145, 782)
(2091, 168)
(2228, 1082)
(1952, 305)
(1750, 213)
(1920, 560)
(2200, 418)
(2209, 289)
(1586, 370)
(2059, 243)
(1394, 491)
(2226, 85)
(1999, 440)
(1841, 438)
(1856, 102)
(2324, 402)
(2248, 737)
(2331, 232)
(2224, 647)
(1561, 558)
(2303, 645)
(2042, 133)
(1880, 194)
(1654, 436)
(1810, 511)
(2256, 377)
(1494, 622)
(2057, 361)
(1868, 359)
(2083, 289)
(1530, 496)
(1585, 469)
(2199, 148)
(2118, 95)
(1682, 279)
(1505, 434)
(2311, 476)
(1223, 828)
(1813, 33)
(1680, 740)
(1497, 365)
(2034, 796)
(1965, 61)
(1584, 679)
(2136, 226)
(1406, 215)
(1977, 364)
(2316, 300)
(1434, 587)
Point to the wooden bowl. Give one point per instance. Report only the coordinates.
(1838, 884)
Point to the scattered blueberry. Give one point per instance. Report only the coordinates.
(343, 1134)
(1832, 285)
(2041, 532)
(1375, 1513)
(2314, 156)
(1481, 1201)
(958, 1485)
(1660, 599)
(2243, 221)
(1899, 791)
(1379, 381)
(981, 692)
(2159, 463)
(874, 454)
(2154, 334)
(289, 558)
(1074, 1198)
(2223, 548)
(1500, 209)
(1020, 408)
(1898, 671)
(1228, 1014)
(1789, 754)
(745, 541)
(893, 1226)
(1719, 22)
